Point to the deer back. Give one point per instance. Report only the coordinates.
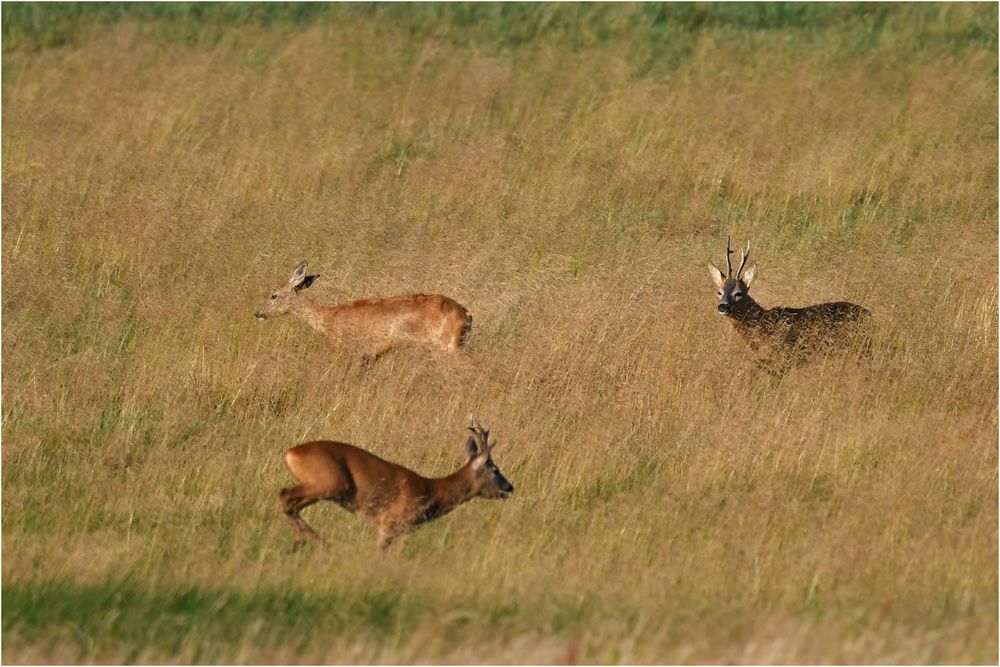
(421, 317)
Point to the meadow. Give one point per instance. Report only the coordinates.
(565, 172)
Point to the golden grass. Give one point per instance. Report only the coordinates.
(673, 504)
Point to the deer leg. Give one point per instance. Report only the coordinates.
(385, 540)
(451, 343)
(388, 532)
(305, 530)
(465, 360)
(453, 347)
(867, 347)
(371, 356)
(773, 367)
(774, 370)
(292, 501)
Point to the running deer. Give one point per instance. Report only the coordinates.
(375, 325)
(395, 499)
(780, 337)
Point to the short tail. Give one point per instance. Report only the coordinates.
(463, 336)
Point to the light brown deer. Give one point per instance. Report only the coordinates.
(374, 325)
(782, 337)
(395, 499)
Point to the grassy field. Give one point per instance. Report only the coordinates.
(565, 172)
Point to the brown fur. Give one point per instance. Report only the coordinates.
(393, 498)
(375, 325)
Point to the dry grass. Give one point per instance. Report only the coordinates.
(673, 504)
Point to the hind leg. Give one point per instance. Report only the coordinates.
(292, 501)
(371, 355)
(454, 348)
(461, 329)
(461, 361)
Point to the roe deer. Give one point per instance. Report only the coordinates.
(395, 499)
(378, 325)
(781, 337)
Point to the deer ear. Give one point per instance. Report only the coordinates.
(306, 282)
(480, 459)
(750, 274)
(472, 448)
(298, 275)
(716, 274)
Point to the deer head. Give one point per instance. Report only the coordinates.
(281, 300)
(488, 482)
(733, 290)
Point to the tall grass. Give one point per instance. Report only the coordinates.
(565, 172)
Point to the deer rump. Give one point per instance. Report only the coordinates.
(355, 479)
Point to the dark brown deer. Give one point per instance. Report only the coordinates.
(374, 325)
(782, 337)
(393, 498)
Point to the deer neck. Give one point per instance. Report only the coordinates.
(749, 319)
(749, 311)
(309, 312)
(449, 492)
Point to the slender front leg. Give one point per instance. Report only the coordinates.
(388, 532)
(370, 356)
(772, 369)
(385, 541)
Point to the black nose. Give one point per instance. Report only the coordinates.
(723, 307)
(510, 488)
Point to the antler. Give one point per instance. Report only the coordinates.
(729, 262)
(482, 435)
(743, 259)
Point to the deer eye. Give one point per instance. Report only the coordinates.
(720, 292)
(274, 296)
(737, 294)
